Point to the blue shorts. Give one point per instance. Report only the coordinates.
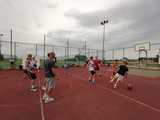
(51, 82)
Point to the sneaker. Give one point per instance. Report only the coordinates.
(33, 89)
(48, 99)
(44, 97)
(33, 86)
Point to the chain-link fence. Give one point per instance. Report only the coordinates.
(131, 53)
(66, 50)
(66, 54)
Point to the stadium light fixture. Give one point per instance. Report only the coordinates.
(103, 52)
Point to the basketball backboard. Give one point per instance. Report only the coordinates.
(143, 46)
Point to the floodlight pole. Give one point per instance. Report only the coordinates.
(103, 52)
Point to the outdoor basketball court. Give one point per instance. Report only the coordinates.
(76, 99)
(76, 38)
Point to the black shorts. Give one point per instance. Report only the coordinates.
(92, 72)
(25, 71)
(96, 68)
(32, 75)
(114, 73)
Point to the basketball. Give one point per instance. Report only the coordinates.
(129, 86)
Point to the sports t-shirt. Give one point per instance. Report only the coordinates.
(49, 64)
(91, 65)
(96, 62)
(26, 64)
(34, 63)
(122, 70)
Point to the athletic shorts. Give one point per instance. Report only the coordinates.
(97, 68)
(114, 73)
(25, 71)
(51, 82)
(32, 76)
(119, 77)
(92, 72)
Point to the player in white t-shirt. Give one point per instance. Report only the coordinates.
(91, 69)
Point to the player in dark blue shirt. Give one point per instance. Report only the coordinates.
(50, 80)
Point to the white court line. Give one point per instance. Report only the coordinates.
(40, 98)
(13, 106)
(131, 99)
(125, 96)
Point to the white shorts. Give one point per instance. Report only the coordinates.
(119, 77)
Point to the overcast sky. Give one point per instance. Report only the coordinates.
(130, 21)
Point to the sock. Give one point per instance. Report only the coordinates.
(32, 86)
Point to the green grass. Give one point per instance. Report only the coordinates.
(5, 64)
(152, 65)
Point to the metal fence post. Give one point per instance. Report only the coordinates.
(65, 57)
(15, 51)
(44, 55)
(79, 56)
(36, 49)
(97, 53)
(67, 49)
(123, 53)
(11, 44)
(53, 48)
(113, 54)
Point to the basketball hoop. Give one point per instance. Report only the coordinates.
(142, 50)
(143, 47)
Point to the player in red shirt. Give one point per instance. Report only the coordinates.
(97, 63)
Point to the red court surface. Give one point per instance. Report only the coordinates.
(77, 100)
